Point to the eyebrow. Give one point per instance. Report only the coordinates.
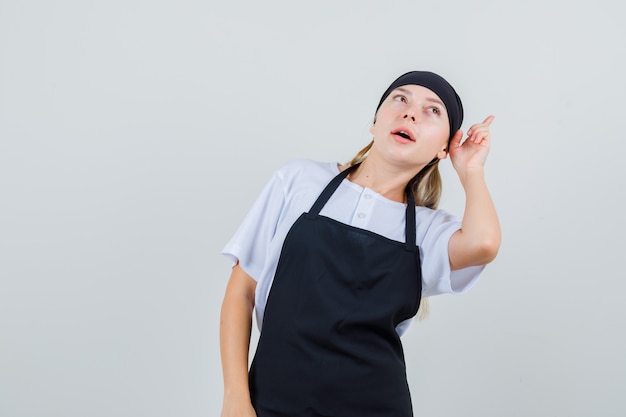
(433, 100)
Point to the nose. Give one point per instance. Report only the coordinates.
(410, 116)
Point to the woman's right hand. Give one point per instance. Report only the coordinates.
(234, 408)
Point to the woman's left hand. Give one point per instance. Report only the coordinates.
(473, 152)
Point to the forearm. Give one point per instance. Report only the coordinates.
(478, 241)
(235, 328)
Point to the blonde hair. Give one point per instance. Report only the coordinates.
(426, 187)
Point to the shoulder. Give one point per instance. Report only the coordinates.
(298, 173)
(303, 166)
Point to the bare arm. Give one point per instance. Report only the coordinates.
(478, 241)
(235, 328)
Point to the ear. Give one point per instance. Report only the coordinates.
(442, 154)
(373, 123)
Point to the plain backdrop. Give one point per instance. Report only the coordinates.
(135, 134)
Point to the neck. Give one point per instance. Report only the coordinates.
(387, 180)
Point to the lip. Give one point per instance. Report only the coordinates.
(405, 130)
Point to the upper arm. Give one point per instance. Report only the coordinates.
(242, 285)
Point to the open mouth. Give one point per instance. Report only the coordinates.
(404, 134)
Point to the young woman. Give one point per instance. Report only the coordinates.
(335, 258)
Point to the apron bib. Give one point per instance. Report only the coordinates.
(328, 345)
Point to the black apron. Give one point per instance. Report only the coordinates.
(328, 345)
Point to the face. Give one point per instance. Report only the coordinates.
(411, 127)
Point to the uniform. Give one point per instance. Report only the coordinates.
(340, 273)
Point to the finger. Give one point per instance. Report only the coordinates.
(482, 136)
(478, 135)
(485, 137)
(489, 119)
(485, 122)
(456, 139)
(480, 139)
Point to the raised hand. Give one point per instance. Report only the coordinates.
(471, 153)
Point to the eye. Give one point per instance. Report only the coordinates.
(435, 110)
(400, 97)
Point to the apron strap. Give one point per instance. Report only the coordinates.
(332, 186)
(329, 190)
(409, 221)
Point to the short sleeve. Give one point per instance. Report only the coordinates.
(437, 276)
(251, 242)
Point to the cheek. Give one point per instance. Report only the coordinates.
(437, 140)
(441, 134)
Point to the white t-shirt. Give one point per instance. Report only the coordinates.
(293, 189)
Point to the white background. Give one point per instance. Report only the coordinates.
(134, 135)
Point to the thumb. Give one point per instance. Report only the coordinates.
(456, 139)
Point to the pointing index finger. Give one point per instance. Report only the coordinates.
(489, 119)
